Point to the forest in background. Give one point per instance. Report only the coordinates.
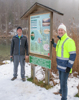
(12, 10)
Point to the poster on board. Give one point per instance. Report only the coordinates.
(40, 34)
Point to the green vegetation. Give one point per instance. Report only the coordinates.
(4, 52)
(39, 83)
(76, 95)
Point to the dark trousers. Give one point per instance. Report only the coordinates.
(63, 76)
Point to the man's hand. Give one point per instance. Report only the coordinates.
(52, 41)
(11, 58)
(68, 70)
(27, 58)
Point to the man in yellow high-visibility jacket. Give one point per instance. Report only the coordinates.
(65, 56)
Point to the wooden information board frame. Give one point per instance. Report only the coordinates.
(38, 9)
(51, 32)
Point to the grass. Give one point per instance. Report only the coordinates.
(39, 83)
(4, 52)
(76, 95)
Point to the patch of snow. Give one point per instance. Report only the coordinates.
(18, 90)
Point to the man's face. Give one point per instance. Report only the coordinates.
(19, 31)
(61, 32)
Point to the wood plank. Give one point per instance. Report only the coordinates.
(29, 11)
(41, 56)
(29, 32)
(37, 5)
(47, 76)
(51, 33)
(3, 36)
(33, 71)
(78, 89)
(39, 12)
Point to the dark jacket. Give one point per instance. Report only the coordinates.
(19, 46)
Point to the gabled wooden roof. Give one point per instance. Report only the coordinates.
(29, 11)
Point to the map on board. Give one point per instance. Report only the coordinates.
(40, 34)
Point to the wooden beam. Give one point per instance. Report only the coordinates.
(47, 76)
(78, 89)
(38, 5)
(33, 71)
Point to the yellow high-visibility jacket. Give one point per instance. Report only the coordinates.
(65, 52)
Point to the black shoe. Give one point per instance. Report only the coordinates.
(13, 78)
(23, 79)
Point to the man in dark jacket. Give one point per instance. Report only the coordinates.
(19, 47)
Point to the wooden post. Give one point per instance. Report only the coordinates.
(33, 71)
(47, 76)
(78, 89)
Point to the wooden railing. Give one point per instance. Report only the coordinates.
(4, 36)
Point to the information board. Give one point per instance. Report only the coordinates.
(40, 34)
(40, 61)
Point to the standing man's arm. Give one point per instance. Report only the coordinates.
(12, 48)
(54, 44)
(72, 51)
(26, 49)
